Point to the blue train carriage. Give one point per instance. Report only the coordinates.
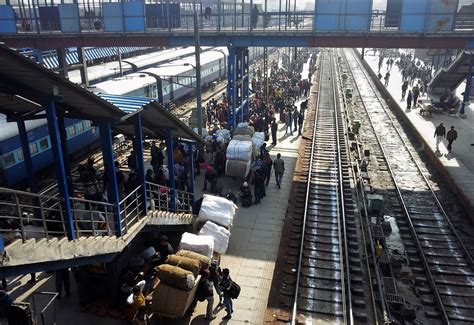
(175, 80)
(82, 137)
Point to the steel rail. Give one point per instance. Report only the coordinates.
(342, 211)
(364, 222)
(404, 206)
(340, 203)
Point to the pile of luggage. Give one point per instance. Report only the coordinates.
(241, 151)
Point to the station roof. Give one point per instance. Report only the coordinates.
(154, 116)
(25, 86)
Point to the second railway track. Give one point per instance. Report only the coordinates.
(445, 266)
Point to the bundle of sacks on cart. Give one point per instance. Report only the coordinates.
(242, 150)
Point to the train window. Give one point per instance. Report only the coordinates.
(70, 131)
(87, 124)
(44, 144)
(33, 148)
(79, 127)
(19, 154)
(9, 159)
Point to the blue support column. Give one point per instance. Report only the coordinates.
(245, 83)
(467, 91)
(191, 172)
(138, 148)
(64, 148)
(27, 156)
(53, 127)
(238, 83)
(231, 66)
(169, 152)
(109, 168)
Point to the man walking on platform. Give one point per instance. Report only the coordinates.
(451, 136)
(439, 133)
(279, 167)
(274, 128)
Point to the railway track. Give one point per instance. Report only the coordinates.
(444, 270)
(327, 277)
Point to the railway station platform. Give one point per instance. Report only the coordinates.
(254, 242)
(459, 164)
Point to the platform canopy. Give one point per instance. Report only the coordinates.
(26, 87)
(154, 116)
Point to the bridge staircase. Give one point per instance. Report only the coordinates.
(36, 237)
(451, 77)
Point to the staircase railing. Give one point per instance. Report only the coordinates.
(159, 199)
(131, 209)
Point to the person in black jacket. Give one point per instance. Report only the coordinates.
(205, 292)
(451, 136)
(225, 284)
(274, 128)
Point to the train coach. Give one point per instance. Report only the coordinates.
(81, 137)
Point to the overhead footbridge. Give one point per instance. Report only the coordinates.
(330, 23)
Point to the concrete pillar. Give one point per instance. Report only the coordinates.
(83, 66)
(51, 114)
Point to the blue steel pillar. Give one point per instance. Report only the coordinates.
(27, 156)
(138, 148)
(219, 12)
(467, 92)
(231, 67)
(245, 83)
(109, 168)
(239, 83)
(51, 115)
(169, 152)
(64, 148)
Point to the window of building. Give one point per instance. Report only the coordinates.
(19, 154)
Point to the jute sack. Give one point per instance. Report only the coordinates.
(204, 260)
(175, 276)
(189, 264)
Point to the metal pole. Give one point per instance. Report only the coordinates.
(120, 61)
(197, 53)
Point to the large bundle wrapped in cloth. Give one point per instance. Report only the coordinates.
(240, 150)
(175, 276)
(223, 134)
(237, 168)
(189, 264)
(220, 234)
(218, 210)
(244, 129)
(200, 244)
(205, 261)
(258, 139)
(171, 302)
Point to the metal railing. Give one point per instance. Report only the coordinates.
(160, 199)
(131, 209)
(231, 20)
(25, 215)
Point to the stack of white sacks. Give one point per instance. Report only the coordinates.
(258, 139)
(216, 215)
(241, 151)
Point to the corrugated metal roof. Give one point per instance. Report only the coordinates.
(154, 116)
(51, 61)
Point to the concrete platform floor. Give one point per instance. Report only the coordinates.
(460, 162)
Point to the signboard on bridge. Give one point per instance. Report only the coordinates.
(343, 15)
(428, 15)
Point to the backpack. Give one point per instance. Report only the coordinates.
(234, 290)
